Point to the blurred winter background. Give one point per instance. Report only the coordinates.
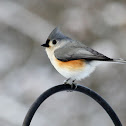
(26, 72)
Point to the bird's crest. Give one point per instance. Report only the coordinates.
(56, 34)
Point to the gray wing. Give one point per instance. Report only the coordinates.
(74, 52)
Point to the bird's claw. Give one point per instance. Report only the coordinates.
(73, 85)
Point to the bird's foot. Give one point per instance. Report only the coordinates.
(66, 81)
(73, 84)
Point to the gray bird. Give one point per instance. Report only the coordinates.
(73, 59)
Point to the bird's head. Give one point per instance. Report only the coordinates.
(56, 39)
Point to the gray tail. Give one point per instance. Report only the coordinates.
(121, 61)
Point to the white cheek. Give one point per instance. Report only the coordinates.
(50, 44)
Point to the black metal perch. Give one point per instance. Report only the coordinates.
(79, 88)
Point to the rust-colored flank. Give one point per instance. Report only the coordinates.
(72, 65)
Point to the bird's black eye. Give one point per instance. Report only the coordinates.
(54, 42)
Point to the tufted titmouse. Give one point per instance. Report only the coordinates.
(71, 58)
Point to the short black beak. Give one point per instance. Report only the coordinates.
(45, 45)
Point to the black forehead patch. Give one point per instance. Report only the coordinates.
(47, 42)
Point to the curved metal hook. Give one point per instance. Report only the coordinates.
(64, 87)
